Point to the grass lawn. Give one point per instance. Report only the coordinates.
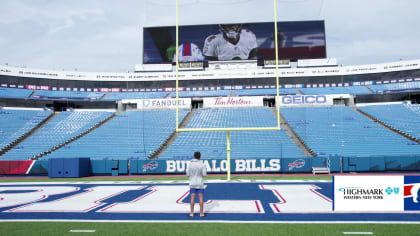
(202, 229)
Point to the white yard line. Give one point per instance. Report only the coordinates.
(358, 233)
(82, 231)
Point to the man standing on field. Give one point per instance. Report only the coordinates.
(196, 171)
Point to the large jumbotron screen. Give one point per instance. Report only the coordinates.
(296, 40)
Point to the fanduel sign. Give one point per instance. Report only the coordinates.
(146, 104)
(221, 102)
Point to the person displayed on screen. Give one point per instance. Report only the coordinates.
(196, 171)
(188, 52)
(232, 43)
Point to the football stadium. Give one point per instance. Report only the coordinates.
(292, 141)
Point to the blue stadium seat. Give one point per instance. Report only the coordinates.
(129, 135)
(16, 123)
(403, 117)
(244, 144)
(202, 93)
(336, 90)
(396, 87)
(15, 93)
(340, 131)
(134, 95)
(264, 92)
(62, 127)
(49, 94)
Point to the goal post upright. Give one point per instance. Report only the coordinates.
(228, 154)
(276, 48)
(228, 149)
(176, 63)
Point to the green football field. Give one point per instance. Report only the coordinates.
(202, 229)
(198, 228)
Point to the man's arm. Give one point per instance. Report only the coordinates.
(204, 170)
(209, 48)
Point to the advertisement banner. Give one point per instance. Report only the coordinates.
(232, 102)
(411, 193)
(317, 62)
(191, 66)
(213, 166)
(29, 86)
(306, 100)
(369, 193)
(281, 63)
(167, 103)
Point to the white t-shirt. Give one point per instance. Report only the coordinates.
(223, 50)
(196, 171)
(188, 52)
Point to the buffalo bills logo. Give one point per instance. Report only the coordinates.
(152, 165)
(299, 163)
(411, 193)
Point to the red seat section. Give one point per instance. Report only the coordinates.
(15, 167)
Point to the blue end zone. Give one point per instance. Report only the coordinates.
(214, 191)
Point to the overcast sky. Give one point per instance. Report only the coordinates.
(106, 35)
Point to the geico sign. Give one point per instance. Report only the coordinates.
(307, 99)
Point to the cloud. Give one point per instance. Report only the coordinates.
(105, 35)
(55, 28)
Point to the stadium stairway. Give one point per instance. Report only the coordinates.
(28, 134)
(103, 95)
(397, 131)
(33, 93)
(171, 138)
(370, 90)
(36, 157)
(293, 135)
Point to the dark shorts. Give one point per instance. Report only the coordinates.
(196, 190)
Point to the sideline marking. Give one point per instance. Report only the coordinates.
(216, 221)
(82, 231)
(163, 182)
(357, 232)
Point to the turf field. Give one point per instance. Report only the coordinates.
(202, 229)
